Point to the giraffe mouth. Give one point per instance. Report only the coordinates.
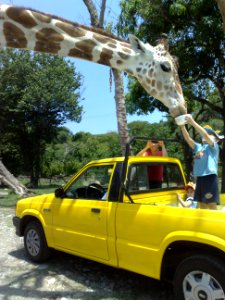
(178, 111)
(177, 108)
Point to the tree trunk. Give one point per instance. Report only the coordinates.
(120, 109)
(9, 180)
(119, 89)
(92, 11)
(221, 5)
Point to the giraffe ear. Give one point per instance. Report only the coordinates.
(138, 46)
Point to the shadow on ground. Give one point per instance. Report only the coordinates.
(70, 277)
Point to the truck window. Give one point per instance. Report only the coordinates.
(93, 183)
(154, 176)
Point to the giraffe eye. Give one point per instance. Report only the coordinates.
(165, 67)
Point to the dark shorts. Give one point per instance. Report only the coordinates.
(207, 190)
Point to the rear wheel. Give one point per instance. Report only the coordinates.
(35, 243)
(200, 277)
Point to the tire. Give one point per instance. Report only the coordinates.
(200, 277)
(35, 243)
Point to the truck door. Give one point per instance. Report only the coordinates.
(80, 218)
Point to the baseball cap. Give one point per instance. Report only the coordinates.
(210, 131)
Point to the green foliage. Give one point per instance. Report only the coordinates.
(157, 131)
(38, 92)
(196, 37)
(67, 156)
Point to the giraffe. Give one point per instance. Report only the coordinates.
(153, 66)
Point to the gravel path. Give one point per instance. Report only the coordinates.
(66, 277)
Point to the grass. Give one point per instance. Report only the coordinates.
(8, 198)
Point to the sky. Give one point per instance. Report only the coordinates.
(99, 108)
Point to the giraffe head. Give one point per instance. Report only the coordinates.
(156, 70)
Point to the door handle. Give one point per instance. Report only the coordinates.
(96, 210)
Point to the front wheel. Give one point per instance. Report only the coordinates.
(35, 243)
(200, 277)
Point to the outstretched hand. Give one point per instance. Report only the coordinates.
(189, 118)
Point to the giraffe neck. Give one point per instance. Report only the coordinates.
(31, 30)
(152, 66)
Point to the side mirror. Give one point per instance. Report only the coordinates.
(59, 193)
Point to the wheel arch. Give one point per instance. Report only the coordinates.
(177, 251)
(27, 219)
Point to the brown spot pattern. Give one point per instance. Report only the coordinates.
(103, 39)
(153, 92)
(126, 45)
(48, 40)
(150, 73)
(105, 57)
(80, 54)
(112, 45)
(21, 16)
(15, 37)
(71, 30)
(42, 18)
(86, 46)
(127, 50)
(161, 95)
(123, 55)
(159, 85)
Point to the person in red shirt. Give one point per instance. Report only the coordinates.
(153, 149)
(155, 173)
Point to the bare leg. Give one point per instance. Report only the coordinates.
(202, 205)
(212, 206)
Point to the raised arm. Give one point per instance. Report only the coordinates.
(187, 137)
(162, 145)
(146, 148)
(200, 130)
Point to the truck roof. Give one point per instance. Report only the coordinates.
(137, 159)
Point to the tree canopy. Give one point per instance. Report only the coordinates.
(39, 92)
(196, 37)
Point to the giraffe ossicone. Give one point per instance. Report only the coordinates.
(153, 66)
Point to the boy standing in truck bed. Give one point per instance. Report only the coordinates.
(205, 169)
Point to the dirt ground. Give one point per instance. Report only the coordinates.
(65, 276)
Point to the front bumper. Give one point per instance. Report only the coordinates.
(18, 225)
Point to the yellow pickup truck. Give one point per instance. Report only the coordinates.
(111, 212)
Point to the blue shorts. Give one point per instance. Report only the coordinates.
(207, 190)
